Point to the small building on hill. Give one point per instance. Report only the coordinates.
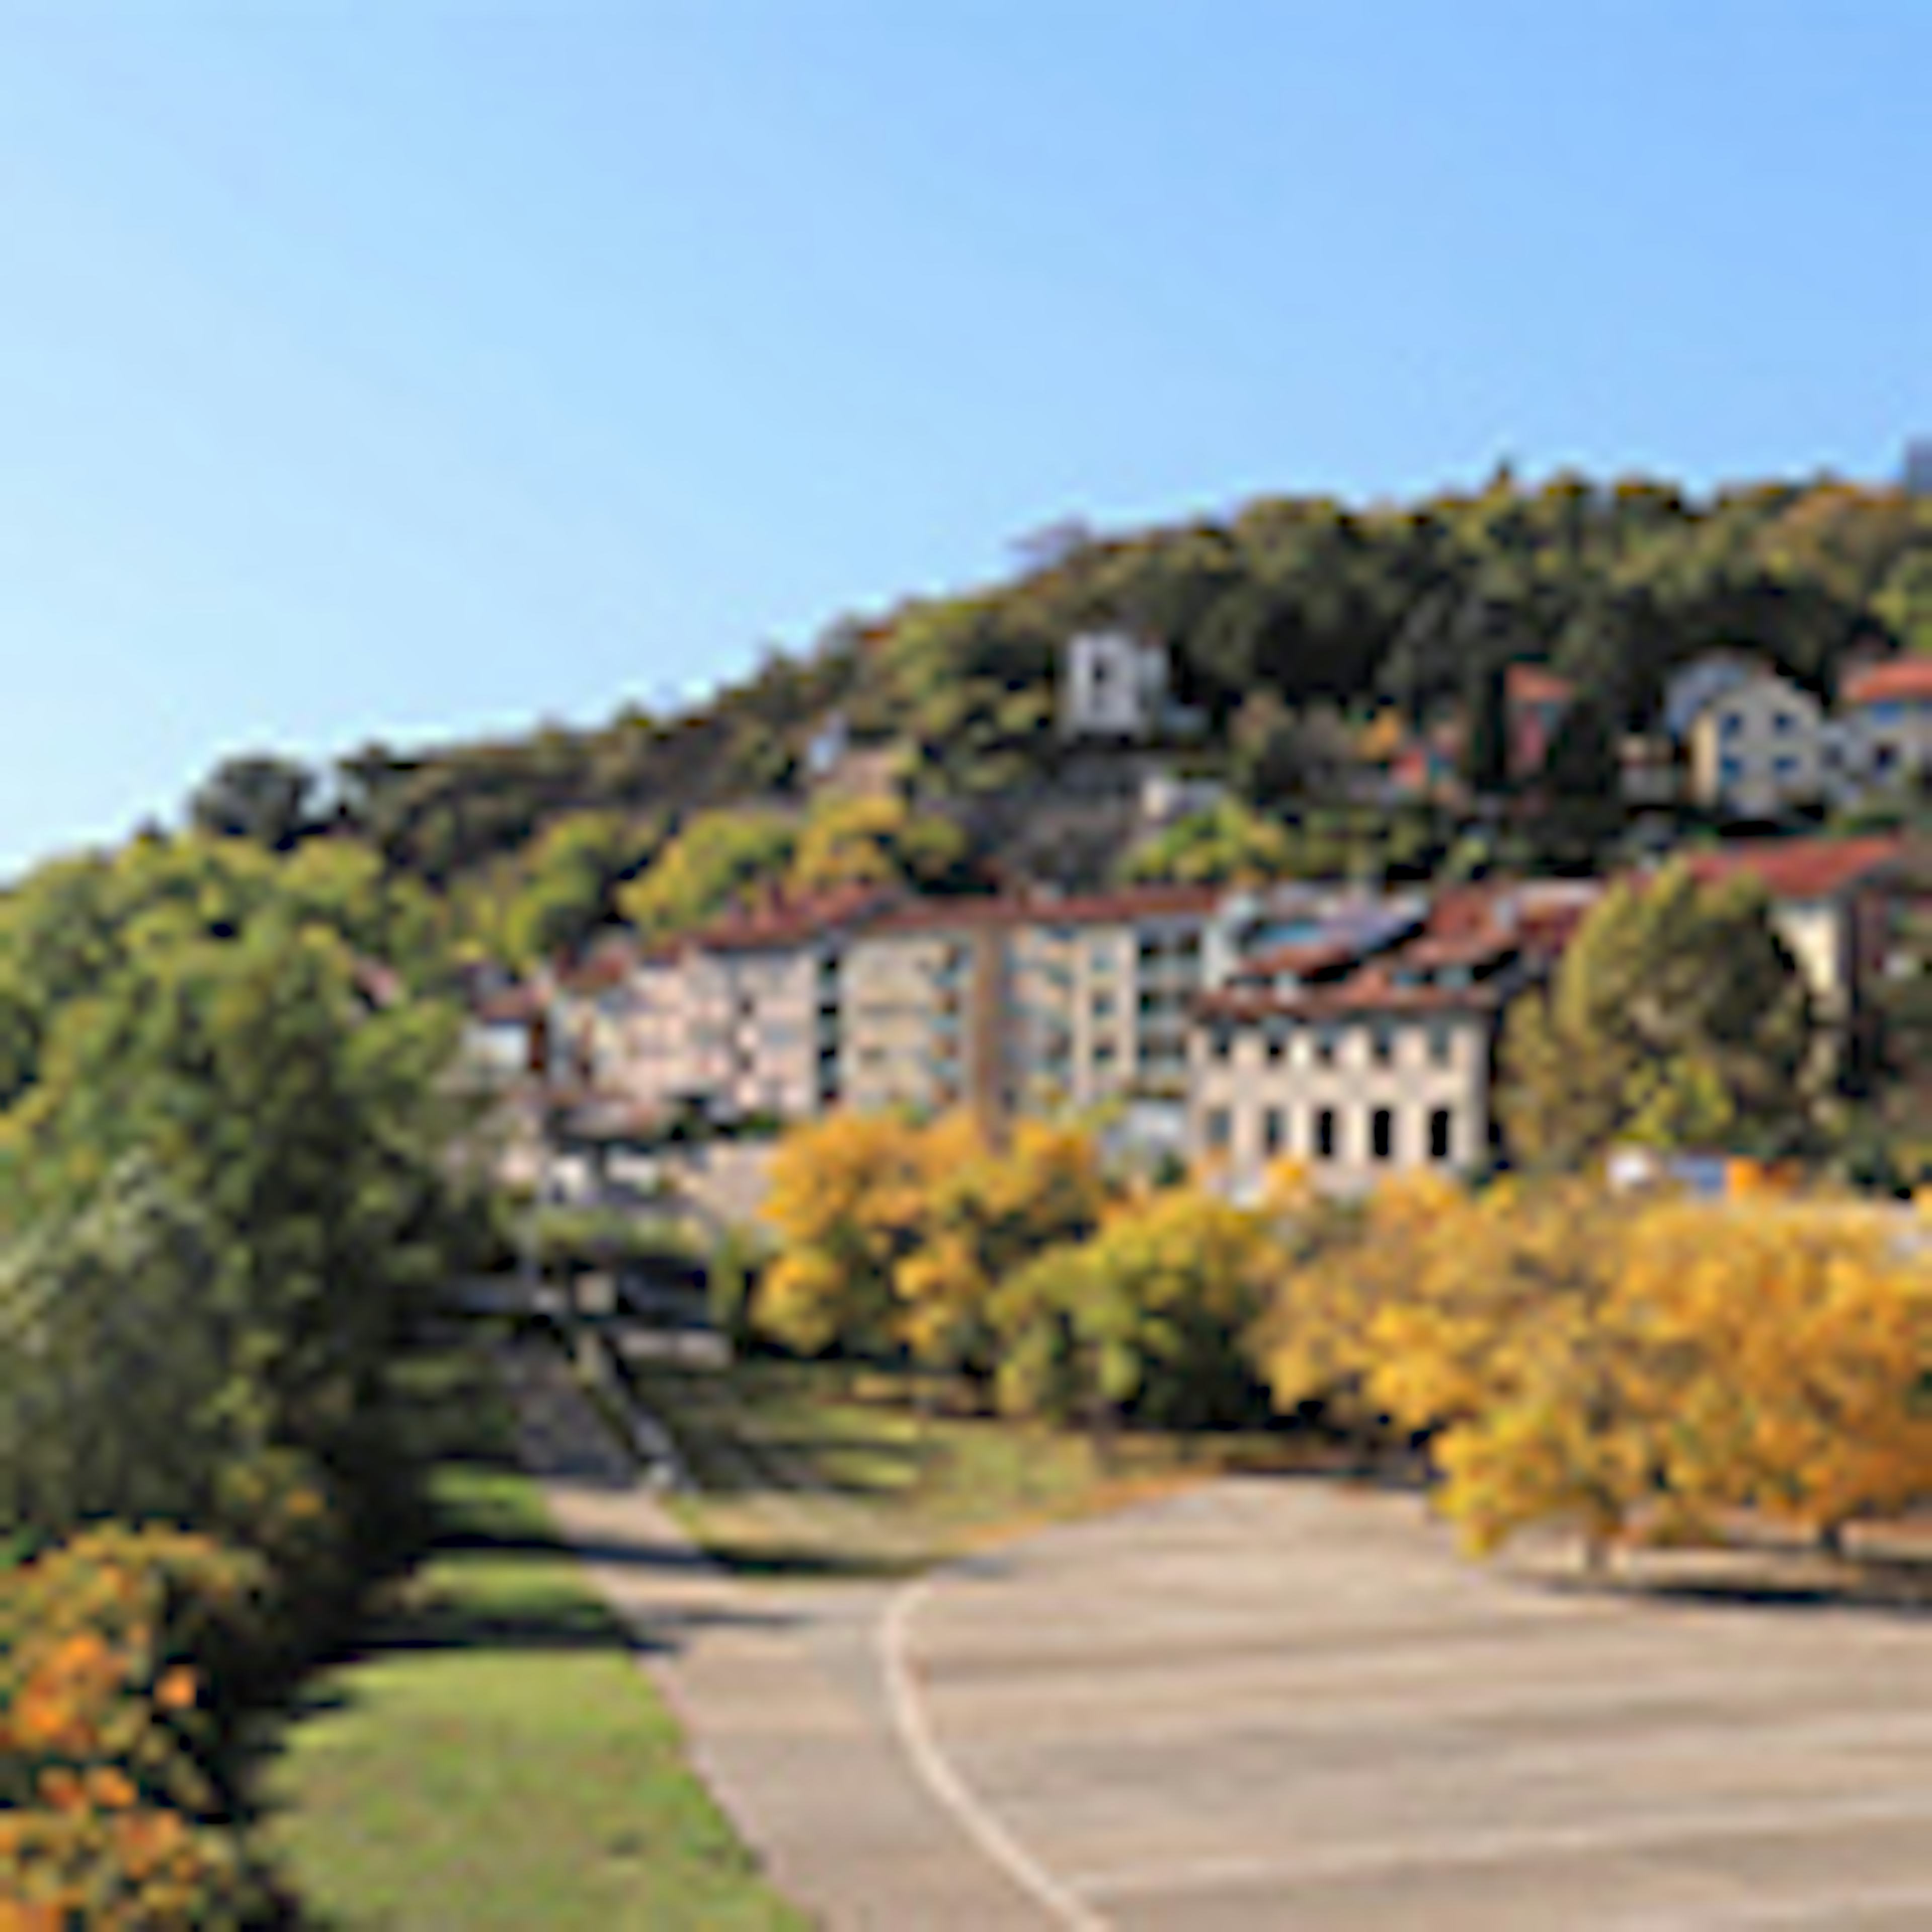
(1756, 747)
(1886, 710)
(1115, 687)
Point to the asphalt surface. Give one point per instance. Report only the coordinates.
(1276, 1703)
(1292, 1704)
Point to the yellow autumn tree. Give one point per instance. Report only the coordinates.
(894, 1235)
(1314, 1341)
(846, 1197)
(1625, 1368)
(1794, 1343)
(988, 1210)
(1494, 1326)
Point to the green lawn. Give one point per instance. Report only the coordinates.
(806, 1467)
(497, 1759)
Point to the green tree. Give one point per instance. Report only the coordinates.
(570, 878)
(1677, 1017)
(213, 1034)
(1147, 1320)
(117, 1364)
(1228, 842)
(269, 800)
(1486, 760)
(714, 859)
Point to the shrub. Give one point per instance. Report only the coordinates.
(119, 1655)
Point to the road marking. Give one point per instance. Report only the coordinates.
(915, 1733)
(1828, 1908)
(1808, 1815)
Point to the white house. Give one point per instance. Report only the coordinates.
(1758, 747)
(1113, 685)
(1887, 712)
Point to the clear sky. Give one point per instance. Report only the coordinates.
(408, 370)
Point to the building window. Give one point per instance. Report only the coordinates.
(1381, 1043)
(1325, 1039)
(1325, 1134)
(1220, 1128)
(1277, 1045)
(1442, 1124)
(1381, 1133)
(1783, 723)
(1103, 1006)
(1222, 1043)
(1442, 1043)
(1732, 725)
(1274, 1130)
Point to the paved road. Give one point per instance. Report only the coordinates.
(780, 1690)
(1275, 1704)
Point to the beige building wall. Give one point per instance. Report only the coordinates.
(1758, 749)
(907, 1016)
(1253, 1102)
(1100, 1008)
(647, 1050)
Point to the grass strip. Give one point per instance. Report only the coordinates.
(812, 1468)
(494, 1757)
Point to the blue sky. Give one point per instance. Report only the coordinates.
(411, 370)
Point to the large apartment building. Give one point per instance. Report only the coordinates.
(1036, 1004)
(1354, 1030)
(1368, 1045)
(742, 1018)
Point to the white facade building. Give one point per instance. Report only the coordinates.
(1113, 685)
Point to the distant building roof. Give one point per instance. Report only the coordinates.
(1798, 868)
(1472, 927)
(1121, 906)
(608, 964)
(781, 921)
(513, 1006)
(1901, 679)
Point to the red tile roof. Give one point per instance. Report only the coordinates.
(1798, 868)
(513, 1005)
(607, 965)
(1898, 679)
(778, 922)
(1309, 956)
(1467, 926)
(1119, 907)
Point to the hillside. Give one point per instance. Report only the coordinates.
(1288, 609)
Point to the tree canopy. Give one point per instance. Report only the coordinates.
(1676, 1018)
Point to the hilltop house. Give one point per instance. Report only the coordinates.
(1113, 686)
(1887, 712)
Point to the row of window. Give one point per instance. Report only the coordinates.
(1325, 1042)
(1783, 722)
(1322, 1140)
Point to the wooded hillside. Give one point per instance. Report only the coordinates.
(1290, 602)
